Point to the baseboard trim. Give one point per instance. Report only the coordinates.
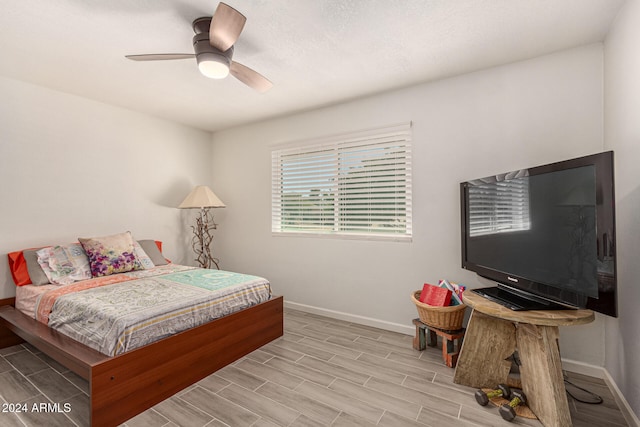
(625, 408)
(567, 364)
(354, 318)
(583, 368)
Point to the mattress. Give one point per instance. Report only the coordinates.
(117, 313)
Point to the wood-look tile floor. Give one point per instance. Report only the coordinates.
(323, 372)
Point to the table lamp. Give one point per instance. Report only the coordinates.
(201, 197)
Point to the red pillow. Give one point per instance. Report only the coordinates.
(18, 267)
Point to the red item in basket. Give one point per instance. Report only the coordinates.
(435, 295)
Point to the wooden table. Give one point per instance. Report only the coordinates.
(493, 334)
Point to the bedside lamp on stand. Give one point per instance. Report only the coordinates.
(204, 199)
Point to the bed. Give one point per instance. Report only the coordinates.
(133, 375)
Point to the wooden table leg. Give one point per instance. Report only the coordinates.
(419, 341)
(450, 353)
(488, 342)
(432, 338)
(541, 371)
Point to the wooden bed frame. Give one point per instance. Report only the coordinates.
(126, 385)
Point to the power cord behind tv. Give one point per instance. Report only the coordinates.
(594, 399)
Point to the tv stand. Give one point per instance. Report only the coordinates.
(493, 334)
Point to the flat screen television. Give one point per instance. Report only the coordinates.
(545, 234)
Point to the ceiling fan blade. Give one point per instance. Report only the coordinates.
(160, 56)
(249, 77)
(226, 26)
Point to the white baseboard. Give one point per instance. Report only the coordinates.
(348, 317)
(583, 368)
(628, 413)
(567, 364)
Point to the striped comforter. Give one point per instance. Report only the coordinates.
(114, 314)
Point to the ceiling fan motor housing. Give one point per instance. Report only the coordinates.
(201, 25)
(201, 45)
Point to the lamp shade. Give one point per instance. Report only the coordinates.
(201, 197)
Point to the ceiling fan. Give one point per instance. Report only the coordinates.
(213, 46)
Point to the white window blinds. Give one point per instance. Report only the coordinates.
(358, 184)
(499, 206)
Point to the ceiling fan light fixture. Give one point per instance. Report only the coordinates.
(213, 65)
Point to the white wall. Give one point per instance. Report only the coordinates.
(622, 126)
(501, 119)
(72, 167)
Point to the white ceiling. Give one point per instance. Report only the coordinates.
(316, 52)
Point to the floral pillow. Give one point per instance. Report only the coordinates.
(64, 264)
(111, 254)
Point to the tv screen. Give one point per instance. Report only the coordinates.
(546, 234)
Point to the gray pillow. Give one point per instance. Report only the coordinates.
(36, 273)
(150, 247)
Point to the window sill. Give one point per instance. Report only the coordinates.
(373, 237)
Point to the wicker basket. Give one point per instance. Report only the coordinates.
(448, 318)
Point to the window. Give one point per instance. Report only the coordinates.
(499, 206)
(358, 184)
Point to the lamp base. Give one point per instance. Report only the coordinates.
(202, 239)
